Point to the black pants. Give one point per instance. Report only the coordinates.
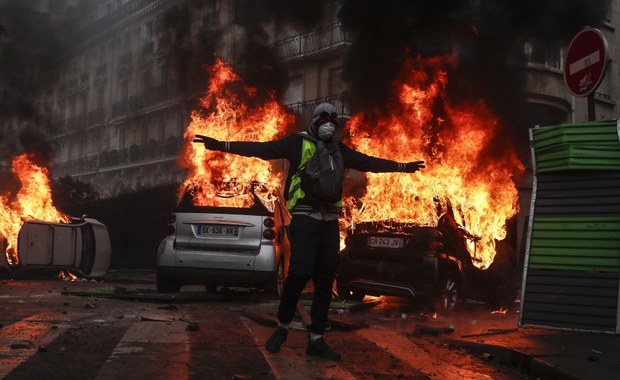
(314, 255)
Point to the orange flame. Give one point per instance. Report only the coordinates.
(459, 176)
(33, 200)
(231, 111)
(67, 276)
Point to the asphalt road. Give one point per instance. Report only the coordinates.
(123, 329)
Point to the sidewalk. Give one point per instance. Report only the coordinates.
(548, 353)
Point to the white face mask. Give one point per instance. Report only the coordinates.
(326, 131)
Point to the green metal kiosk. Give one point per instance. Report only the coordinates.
(572, 258)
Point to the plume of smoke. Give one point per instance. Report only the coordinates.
(255, 58)
(31, 40)
(487, 37)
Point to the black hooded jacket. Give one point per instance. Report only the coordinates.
(290, 148)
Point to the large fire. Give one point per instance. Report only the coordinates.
(421, 123)
(33, 200)
(460, 176)
(230, 111)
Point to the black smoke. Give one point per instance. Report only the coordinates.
(487, 35)
(32, 41)
(253, 53)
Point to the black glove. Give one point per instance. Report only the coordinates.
(412, 167)
(209, 142)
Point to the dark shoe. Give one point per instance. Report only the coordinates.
(321, 349)
(275, 341)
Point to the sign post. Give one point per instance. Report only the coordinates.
(585, 65)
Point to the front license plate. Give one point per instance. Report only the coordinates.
(385, 242)
(217, 230)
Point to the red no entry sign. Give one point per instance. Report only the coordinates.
(586, 61)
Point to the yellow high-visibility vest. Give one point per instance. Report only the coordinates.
(295, 193)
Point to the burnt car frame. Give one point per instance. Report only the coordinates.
(223, 246)
(431, 263)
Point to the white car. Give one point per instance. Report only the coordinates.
(81, 247)
(223, 246)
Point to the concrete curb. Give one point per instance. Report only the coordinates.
(534, 366)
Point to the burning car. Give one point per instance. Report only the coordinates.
(408, 260)
(34, 234)
(81, 246)
(227, 246)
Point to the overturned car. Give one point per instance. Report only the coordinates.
(81, 246)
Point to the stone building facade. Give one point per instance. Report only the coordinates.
(122, 102)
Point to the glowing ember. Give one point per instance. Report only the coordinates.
(460, 175)
(220, 179)
(67, 276)
(500, 311)
(33, 200)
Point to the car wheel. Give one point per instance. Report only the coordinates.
(348, 294)
(167, 285)
(276, 284)
(449, 292)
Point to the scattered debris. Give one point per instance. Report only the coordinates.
(119, 290)
(192, 327)
(490, 332)
(168, 307)
(342, 325)
(421, 330)
(239, 376)
(20, 345)
(364, 305)
(593, 357)
(149, 319)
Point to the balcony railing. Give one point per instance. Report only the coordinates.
(96, 116)
(312, 43)
(150, 97)
(133, 155)
(119, 108)
(304, 109)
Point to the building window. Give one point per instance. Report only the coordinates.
(334, 81)
(295, 91)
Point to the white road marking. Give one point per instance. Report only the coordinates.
(405, 350)
(292, 362)
(21, 340)
(137, 342)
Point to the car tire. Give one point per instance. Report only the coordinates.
(167, 285)
(448, 293)
(276, 284)
(348, 294)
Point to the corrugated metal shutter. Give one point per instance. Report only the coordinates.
(571, 299)
(571, 278)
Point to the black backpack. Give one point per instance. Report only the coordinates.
(322, 177)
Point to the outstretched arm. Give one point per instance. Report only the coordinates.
(364, 163)
(264, 150)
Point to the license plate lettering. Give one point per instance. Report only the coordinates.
(218, 230)
(384, 242)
